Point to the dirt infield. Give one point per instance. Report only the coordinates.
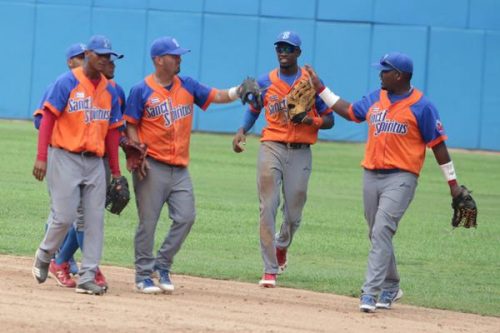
(203, 305)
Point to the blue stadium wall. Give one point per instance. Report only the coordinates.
(455, 45)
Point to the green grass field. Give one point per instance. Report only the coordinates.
(439, 267)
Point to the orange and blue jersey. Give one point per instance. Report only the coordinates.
(84, 113)
(164, 117)
(278, 127)
(39, 111)
(37, 115)
(399, 129)
(121, 95)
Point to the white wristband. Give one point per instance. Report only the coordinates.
(233, 93)
(448, 171)
(329, 97)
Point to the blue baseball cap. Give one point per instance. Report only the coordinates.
(395, 60)
(288, 37)
(166, 45)
(102, 45)
(75, 50)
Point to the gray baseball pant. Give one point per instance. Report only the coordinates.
(71, 178)
(163, 184)
(386, 197)
(280, 169)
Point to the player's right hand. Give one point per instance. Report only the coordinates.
(142, 170)
(316, 82)
(40, 169)
(239, 141)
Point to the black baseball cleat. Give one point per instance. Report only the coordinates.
(91, 288)
(40, 269)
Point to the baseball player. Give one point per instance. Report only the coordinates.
(159, 113)
(81, 116)
(402, 122)
(285, 159)
(59, 267)
(75, 56)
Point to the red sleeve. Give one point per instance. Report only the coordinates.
(112, 139)
(44, 134)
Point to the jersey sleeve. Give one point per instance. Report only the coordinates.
(121, 98)
(202, 94)
(58, 95)
(115, 119)
(135, 104)
(359, 109)
(429, 123)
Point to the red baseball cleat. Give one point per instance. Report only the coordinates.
(61, 274)
(282, 259)
(100, 280)
(268, 281)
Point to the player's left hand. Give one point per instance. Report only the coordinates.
(40, 170)
(239, 142)
(316, 82)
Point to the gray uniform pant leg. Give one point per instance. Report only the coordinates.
(72, 179)
(181, 210)
(287, 170)
(93, 197)
(163, 183)
(386, 198)
(63, 181)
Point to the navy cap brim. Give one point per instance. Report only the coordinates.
(381, 67)
(179, 51)
(107, 51)
(286, 42)
(71, 56)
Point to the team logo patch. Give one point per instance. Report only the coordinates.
(80, 94)
(155, 100)
(285, 35)
(439, 127)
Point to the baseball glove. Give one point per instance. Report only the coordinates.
(300, 100)
(249, 92)
(135, 152)
(464, 210)
(117, 195)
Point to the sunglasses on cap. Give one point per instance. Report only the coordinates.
(388, 63)
(286, 48)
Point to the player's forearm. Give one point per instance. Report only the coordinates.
(44, 135)
(132, 132)
(226, 96)
(111, 141)
(249, 120)
(342, 109)
(327, 121)
(441, 153)
(448, 169)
